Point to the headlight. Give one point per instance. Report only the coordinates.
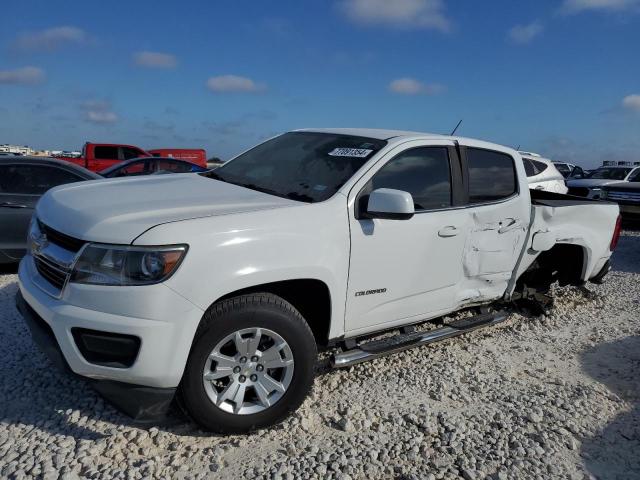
(122, 265)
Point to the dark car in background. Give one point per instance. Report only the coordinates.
(23, 180)
(150, 166)
(590, 185)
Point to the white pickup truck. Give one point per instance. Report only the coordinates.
(221, 287)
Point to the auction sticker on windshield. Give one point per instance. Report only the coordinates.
(350, 152)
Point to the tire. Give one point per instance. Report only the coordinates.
(228, 331)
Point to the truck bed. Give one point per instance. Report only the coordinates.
(552, 199)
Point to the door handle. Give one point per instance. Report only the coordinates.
(12, 205)
(511, 224)
(448, 231)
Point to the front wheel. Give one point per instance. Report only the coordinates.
(251, 364)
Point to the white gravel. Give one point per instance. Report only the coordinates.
(549, 397)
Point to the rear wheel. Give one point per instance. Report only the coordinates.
(251, 364)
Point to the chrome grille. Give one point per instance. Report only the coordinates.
(54, 254)
(55, 275)
(623, 196)
(65, 241)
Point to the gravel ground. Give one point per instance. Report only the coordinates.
(554, 396)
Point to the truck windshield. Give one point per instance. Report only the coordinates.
(610, 173)
(304, 166)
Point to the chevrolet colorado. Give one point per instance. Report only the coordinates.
(221, 287)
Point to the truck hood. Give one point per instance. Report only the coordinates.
(590, 182)
(118, 210)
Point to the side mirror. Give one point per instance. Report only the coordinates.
(390, 204)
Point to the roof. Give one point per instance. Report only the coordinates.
(49, 161)
(379, 134)
(535, 156)
(538, 158)
(124, 163)
(529, 154)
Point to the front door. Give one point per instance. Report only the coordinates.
(16, 207)
(403, 271)
(21, 186)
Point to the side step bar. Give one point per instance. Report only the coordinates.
(387, 346)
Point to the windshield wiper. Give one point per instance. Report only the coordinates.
(291, 195)
(253, 186)
(302, 197)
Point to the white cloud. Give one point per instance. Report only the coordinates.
(233, 83)
(411, 86)
(22, 76)
(577, 6)
(155, 60)
(50, 39)
(101, 117)
(99, 111)
(631, 102)
(428, 14)
(523, 34)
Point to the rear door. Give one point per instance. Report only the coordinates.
(21, 186)
(403, 271)
(498, 210)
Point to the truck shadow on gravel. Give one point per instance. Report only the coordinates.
(626, 258)
(613, 453)
(33, 392)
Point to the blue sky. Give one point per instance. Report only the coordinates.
(561, 77)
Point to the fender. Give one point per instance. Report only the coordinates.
(233, 252)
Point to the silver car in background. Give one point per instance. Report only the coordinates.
(542, 174)
(591, 185)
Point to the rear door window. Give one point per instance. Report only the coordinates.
(128, 153)
(134, 168)
(528, 167)
(539, 166)
(172, 166)
(492, 175)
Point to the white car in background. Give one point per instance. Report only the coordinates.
(590, 186)
(542, 174)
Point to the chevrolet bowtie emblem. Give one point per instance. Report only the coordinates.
(39, 243)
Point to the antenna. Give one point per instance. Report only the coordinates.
(518, 148)
(456, 129)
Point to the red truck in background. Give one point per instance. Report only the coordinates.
(193, 155)
(98, 156)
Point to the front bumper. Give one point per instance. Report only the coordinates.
(162, 320)
(140, 402)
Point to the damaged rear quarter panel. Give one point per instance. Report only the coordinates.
(589, 226)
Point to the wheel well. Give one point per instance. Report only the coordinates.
(309, 296)
(564, 263)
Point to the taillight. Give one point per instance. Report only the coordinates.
(616, 234)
